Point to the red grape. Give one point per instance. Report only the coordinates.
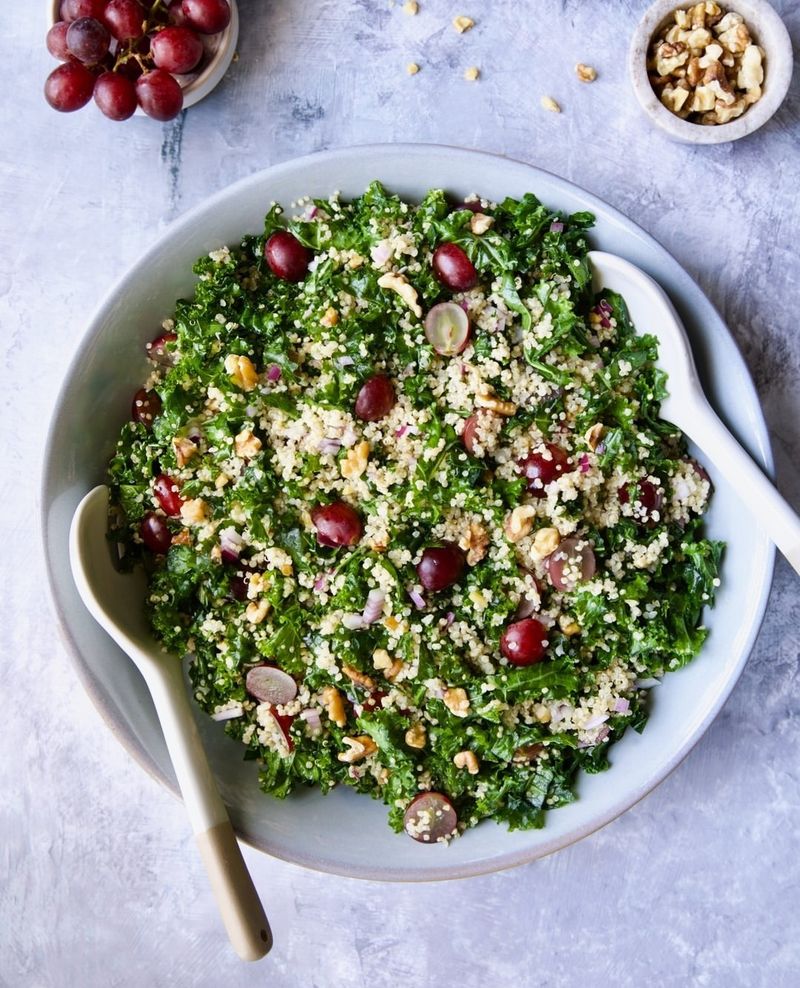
(71, 10)
(571, 563)
(375, 399)
(337, 524)
(88, 40)
(524, 642)
(161, 350)
(69, 87)
(453, 268)
(115, 95)
(268, 684)
(287, 258)
(543, 467)
(57, 41)
(647, 500)
(145, 407)
(441, 566)
(175, 13)
(177, 49)
(447, 328)
(154, 533)
(124, 19)
(159, 94)
(430, 817)
(207, 16)
(469, 435)
(166, 491)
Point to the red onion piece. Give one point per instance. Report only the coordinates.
(273, 373)
(231, 544)
(380, 254)
(595, 721)
(321, 582)
(401, 431)
(557, 227)
(329, 446)
(374, 606)
(353, 622)
(229, 713)
(621, 705)
(417, 599)
(345, 361)
(449, 618)
(584, 464)
(313, 719)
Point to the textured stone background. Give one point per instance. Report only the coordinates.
(99, 881)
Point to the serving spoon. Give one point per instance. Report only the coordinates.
(113, 599)
(687, 406)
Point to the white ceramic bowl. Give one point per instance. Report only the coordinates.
(219, 48)
(345, 832)
(768, 30)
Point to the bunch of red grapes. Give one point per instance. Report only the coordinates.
(126, 53)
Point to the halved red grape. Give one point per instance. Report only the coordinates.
(57, 41)
(473, 206)
(175, 13)
(287, 258)
(469, 435)
(239, 584)
(146, 407)
(115, 95)
(177, 49)
(207, 16)
(71, 10)
(375, 399)
(453, 268)
(572, 563)
(154, 533)
(430, 817)
(647, 500)
(524, 642)
(268, 684)
(441, 566)
(88, 40)
(167, 493)
(283, 723)
(159, 94)
(69, 87)
(337, 524)
(542, 467)
(447, 328)
(124, 19)
(161, 350)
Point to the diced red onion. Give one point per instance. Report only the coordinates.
(464, 306)
(353, 622)
(602, 734)
(621, 705)
(595, 721)
(417, 599)
(329, 446)
(559, 712)
(556, 227)
(374, 606)
(345, 361)
(648, 683)
(605, 307)
(380, 253)
(229, 713)
(605, 323)
(321, 582)
(230, 543)
(399, 433)
(274, 373)
(601, 448)
(449, 618)
(584, 464)
(312, 718)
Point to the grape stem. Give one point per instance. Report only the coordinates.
(154, 21)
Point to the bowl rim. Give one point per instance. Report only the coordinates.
(779, 61)
(128, 740)
(212, 74)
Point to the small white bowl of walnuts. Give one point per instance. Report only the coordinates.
(710, 72)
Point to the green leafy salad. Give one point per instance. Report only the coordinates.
(402, 491)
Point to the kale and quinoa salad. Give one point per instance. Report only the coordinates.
(402, 491)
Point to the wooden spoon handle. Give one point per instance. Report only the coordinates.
(239, 905)
(237, 899)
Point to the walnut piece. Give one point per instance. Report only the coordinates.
(519, 522)
(359, 678)
(359, 747)
(585, 72)
(416, 736)
(246, 444)
(241, 371)
(355, 462)
(474, 542)
(334, 704)
(397, 283)
(456, 701)
(184, 450)
(463, 23)
(467, 760)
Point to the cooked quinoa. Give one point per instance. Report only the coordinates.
(450, 569)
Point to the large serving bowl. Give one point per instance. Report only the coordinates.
(344, 832)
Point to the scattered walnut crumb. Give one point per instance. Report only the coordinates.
(585, 72)
(462, 23)
(411, 7)
(548, 103)
(472, 73)
(412, 68)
